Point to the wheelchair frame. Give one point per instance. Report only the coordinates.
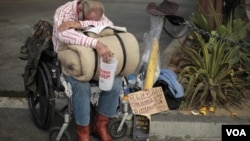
(49, 87)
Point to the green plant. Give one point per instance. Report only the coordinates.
(236, 30)
(199, 19)
(233, 28)
(209, 76)
(216, 72)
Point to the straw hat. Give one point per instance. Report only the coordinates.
(164, 8)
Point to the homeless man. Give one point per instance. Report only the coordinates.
(79, 14)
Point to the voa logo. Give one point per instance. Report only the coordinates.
(236, 132)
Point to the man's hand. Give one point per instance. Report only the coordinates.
(68, 25)
(103, 51)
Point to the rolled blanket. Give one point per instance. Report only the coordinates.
(83, 63)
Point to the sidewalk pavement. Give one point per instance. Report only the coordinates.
(16, 125)
(17, 19)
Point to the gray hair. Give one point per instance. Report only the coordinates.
(92, 5)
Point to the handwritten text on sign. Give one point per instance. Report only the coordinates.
(147, 102)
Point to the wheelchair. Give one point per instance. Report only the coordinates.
(48, 87)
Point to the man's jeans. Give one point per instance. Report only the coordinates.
(107, 104)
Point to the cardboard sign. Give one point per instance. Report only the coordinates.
(147, 102)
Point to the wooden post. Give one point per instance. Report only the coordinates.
(205, 6)
(218, 4)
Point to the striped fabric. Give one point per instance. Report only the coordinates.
(68, 12)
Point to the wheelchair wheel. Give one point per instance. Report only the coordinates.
(40, 103)
(113, 126)
(54, 133)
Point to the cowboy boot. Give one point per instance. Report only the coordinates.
(100, 127)
(83, 133)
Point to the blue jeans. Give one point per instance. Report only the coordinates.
(107, 104)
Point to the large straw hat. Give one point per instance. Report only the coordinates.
(163, 9)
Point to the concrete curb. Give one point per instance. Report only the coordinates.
(174, 124)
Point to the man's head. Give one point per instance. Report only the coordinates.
(90, 10)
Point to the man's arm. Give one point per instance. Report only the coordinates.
(69, 25)
(73, 37)
(84, 24)
(70, 36)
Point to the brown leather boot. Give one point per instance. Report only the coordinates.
(100, 127)
(83, 133)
